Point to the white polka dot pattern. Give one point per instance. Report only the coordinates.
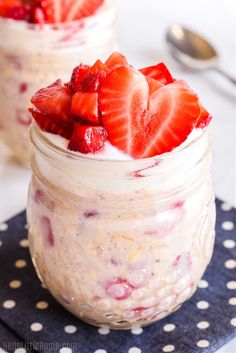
(36, 327)
(24, 243)
(137, 330)
(100, 351)
(231, 285)
(3, 227)
(42, 305)
(103, 330)
(229, 244)
(232, 301)
(9, 304)
(230, 264)
(233, 322)
(227, 225)
(202, 304)
(226, 207)
(15, 284)
(168, 348)
(202, 284)
(202, 325)
(169, 327)
(65, 350)
(135, 350)
(203, 343)
(20, 263)
(20, 350)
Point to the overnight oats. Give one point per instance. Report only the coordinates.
(121, 209)
(43, 42)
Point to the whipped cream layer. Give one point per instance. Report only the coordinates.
(117, 174)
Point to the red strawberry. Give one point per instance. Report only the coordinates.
(123, 102)
(39, 16)
(6, 5)
(57, 11)
(173, 113)
(204, 118)
(20, 13)
(119, 289)
(81, 8)
(54, 100)
(153, 85)
(158, 72)
(85, 105)
(77, 76)
(99, 66)
(116, 59)
(47, 123)
(92, 81)
(87, 139)
(47, 232)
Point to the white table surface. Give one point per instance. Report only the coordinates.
(141, 28)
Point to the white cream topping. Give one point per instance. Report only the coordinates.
(110, 152)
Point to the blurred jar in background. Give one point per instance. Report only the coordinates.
(32, 56)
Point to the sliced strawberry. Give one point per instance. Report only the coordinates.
(92, 81)
(6, 5)
(204, 118)
(19, 13)
(173, 113)
(153, 85)
(99, 66)
(85, 105)
(48, 124)
(78, 9)
(77, 76)
(123, 102)
(87, 139)
(54, 100)
(39, 16)
(115, 60)
(158, 72)
(57, 11)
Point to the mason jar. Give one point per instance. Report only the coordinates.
(32, 57)
(121, 243)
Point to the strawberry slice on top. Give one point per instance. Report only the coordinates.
(140, 129)
(54, 100)
(57, 11)
(173, 113)
(123, 102)
(116, 59)
(158, 72)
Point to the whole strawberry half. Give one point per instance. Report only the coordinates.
(123, 102)
(142, 125)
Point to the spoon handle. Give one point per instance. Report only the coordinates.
(229, 77)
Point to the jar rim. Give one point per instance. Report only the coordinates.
(78, 157)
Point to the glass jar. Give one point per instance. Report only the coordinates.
(32, 57)
(121, 243)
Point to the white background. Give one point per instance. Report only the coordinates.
(141, 31)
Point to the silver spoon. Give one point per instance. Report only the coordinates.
(193, 51)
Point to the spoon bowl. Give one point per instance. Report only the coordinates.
(191, 49)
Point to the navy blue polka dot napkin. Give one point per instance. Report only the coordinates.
(32, 321)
